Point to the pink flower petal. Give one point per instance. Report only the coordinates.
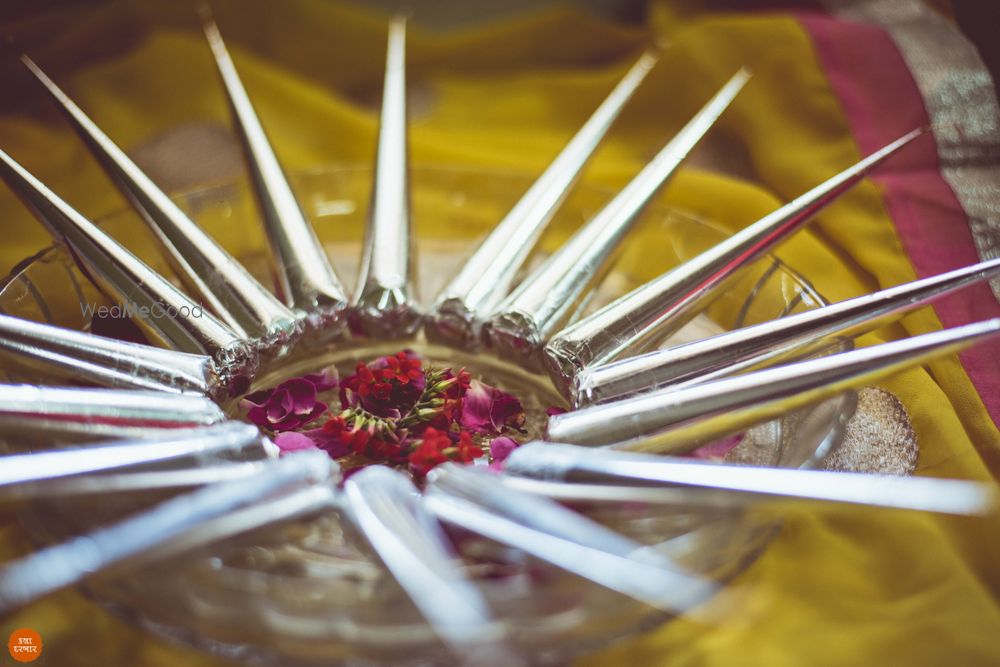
(486, 409)
(325, 380)
(500, 449)
(292, 441)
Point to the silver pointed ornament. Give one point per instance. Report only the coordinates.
(385, 303)
(672, 421)
(548, 296)
(205, 267)
(305, 277)
(463, 307)
(768, 343)
(635, 322)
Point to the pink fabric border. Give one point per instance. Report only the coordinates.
(882, 102)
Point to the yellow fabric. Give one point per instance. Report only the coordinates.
(851, 588)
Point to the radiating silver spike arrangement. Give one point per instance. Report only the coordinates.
(654, 478)
(478, 501)
(385, 303)
(87, 469)
(670, 421)
(182, 523)
(208, 270)
(638, 320)
(462, 308)
(25, 408)
(387, 508)
(546, 298)
(166, 312)
(770, 342)
(668, 401)
(306, 278)
(107, 362)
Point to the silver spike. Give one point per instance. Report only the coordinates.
(385, 303)
(769, 342)
(638, 320)
(289, 488)
(30, 410)
(636, 477)
(388, 510)
(207, 270)
(137, 481)
(471, 297)
(670, 421)
(77, 355)
(478, 501)
(546, 298)
(164, 311)
(61, 472)
(307, 280)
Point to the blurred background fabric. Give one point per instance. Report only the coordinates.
(504, 88)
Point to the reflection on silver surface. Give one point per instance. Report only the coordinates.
(385, 304)
(668, 420)
(22, 404)
(288, 488)
(544, 300)
(638, 320)
(81, 356)
(478, 501)
(769, 342)
(486, 277)
(166, 313)
(307, 281)
(604, 474)
(387, 508)
(208, 270)
(51, 473)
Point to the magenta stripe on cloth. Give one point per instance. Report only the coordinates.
(882, 102)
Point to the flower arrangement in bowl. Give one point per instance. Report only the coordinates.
(309, 591)
(449, 457)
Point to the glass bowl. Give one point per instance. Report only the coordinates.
(311, 592)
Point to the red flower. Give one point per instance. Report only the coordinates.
(430, 452)
(467, 449)
(351, 439)
(403, 367)
(387, 387)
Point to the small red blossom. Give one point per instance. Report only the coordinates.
(437, 447)
(393, 411)
(467, 450)
(388, 387)
(404, 367)
(430, 452)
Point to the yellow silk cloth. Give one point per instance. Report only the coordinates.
(853, 587)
